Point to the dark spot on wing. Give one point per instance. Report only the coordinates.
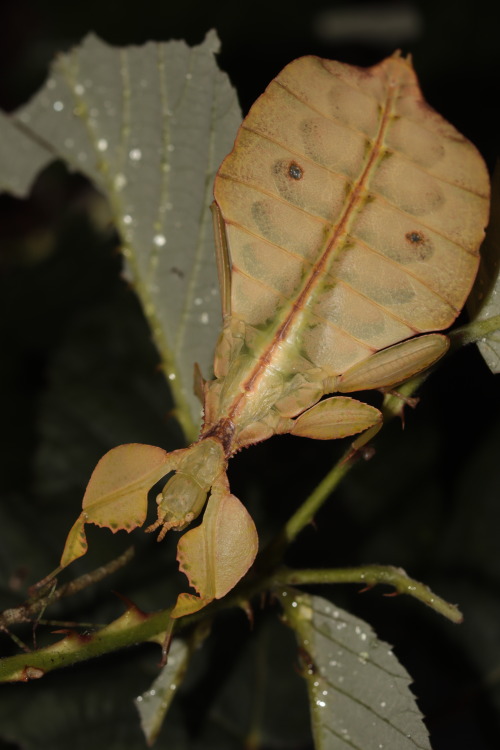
(295, 171)
(421, 245)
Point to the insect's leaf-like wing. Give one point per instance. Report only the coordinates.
(353, 211)
(149, 126)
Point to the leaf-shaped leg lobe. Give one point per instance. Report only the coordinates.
(117, 493)
(336, 417)
(217, 553)
(394, 364)
(184, 495)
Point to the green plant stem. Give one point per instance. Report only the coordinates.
(131, 628)
(474, 331)
(306, 512)
(371, 575)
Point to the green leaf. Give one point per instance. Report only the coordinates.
(149, 126)
(484, 301)
(154, 702)
(359, 693)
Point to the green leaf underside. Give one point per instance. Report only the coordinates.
(359, 693)
(484, 302)
(149, 126)
(153, 704)
(117, 493)
(353, 213)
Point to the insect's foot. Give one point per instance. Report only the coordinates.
(153, 526)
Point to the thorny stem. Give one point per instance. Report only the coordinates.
(371, 575)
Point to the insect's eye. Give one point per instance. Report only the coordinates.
(294, 171)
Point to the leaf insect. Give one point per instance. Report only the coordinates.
(347, 222)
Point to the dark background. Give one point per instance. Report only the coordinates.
(79, 375)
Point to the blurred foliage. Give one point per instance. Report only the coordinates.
(79, 374)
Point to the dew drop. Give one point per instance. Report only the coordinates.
(383, 704)
(127, 219)
(135, 154)
(159, 240)
(189, 76)
(120, 181)
(58, 106)
(283, 594)
(198, 301)
(139, 699)
(102, 144)
(79, 90)
(171, 376)
(294, 604)
(321, 704)
(204, 318)
(152, 692)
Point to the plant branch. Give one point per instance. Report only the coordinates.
(43, 598)
(474, 331)
(131, 628)
(369, 576)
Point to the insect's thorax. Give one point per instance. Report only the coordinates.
(262, 381)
